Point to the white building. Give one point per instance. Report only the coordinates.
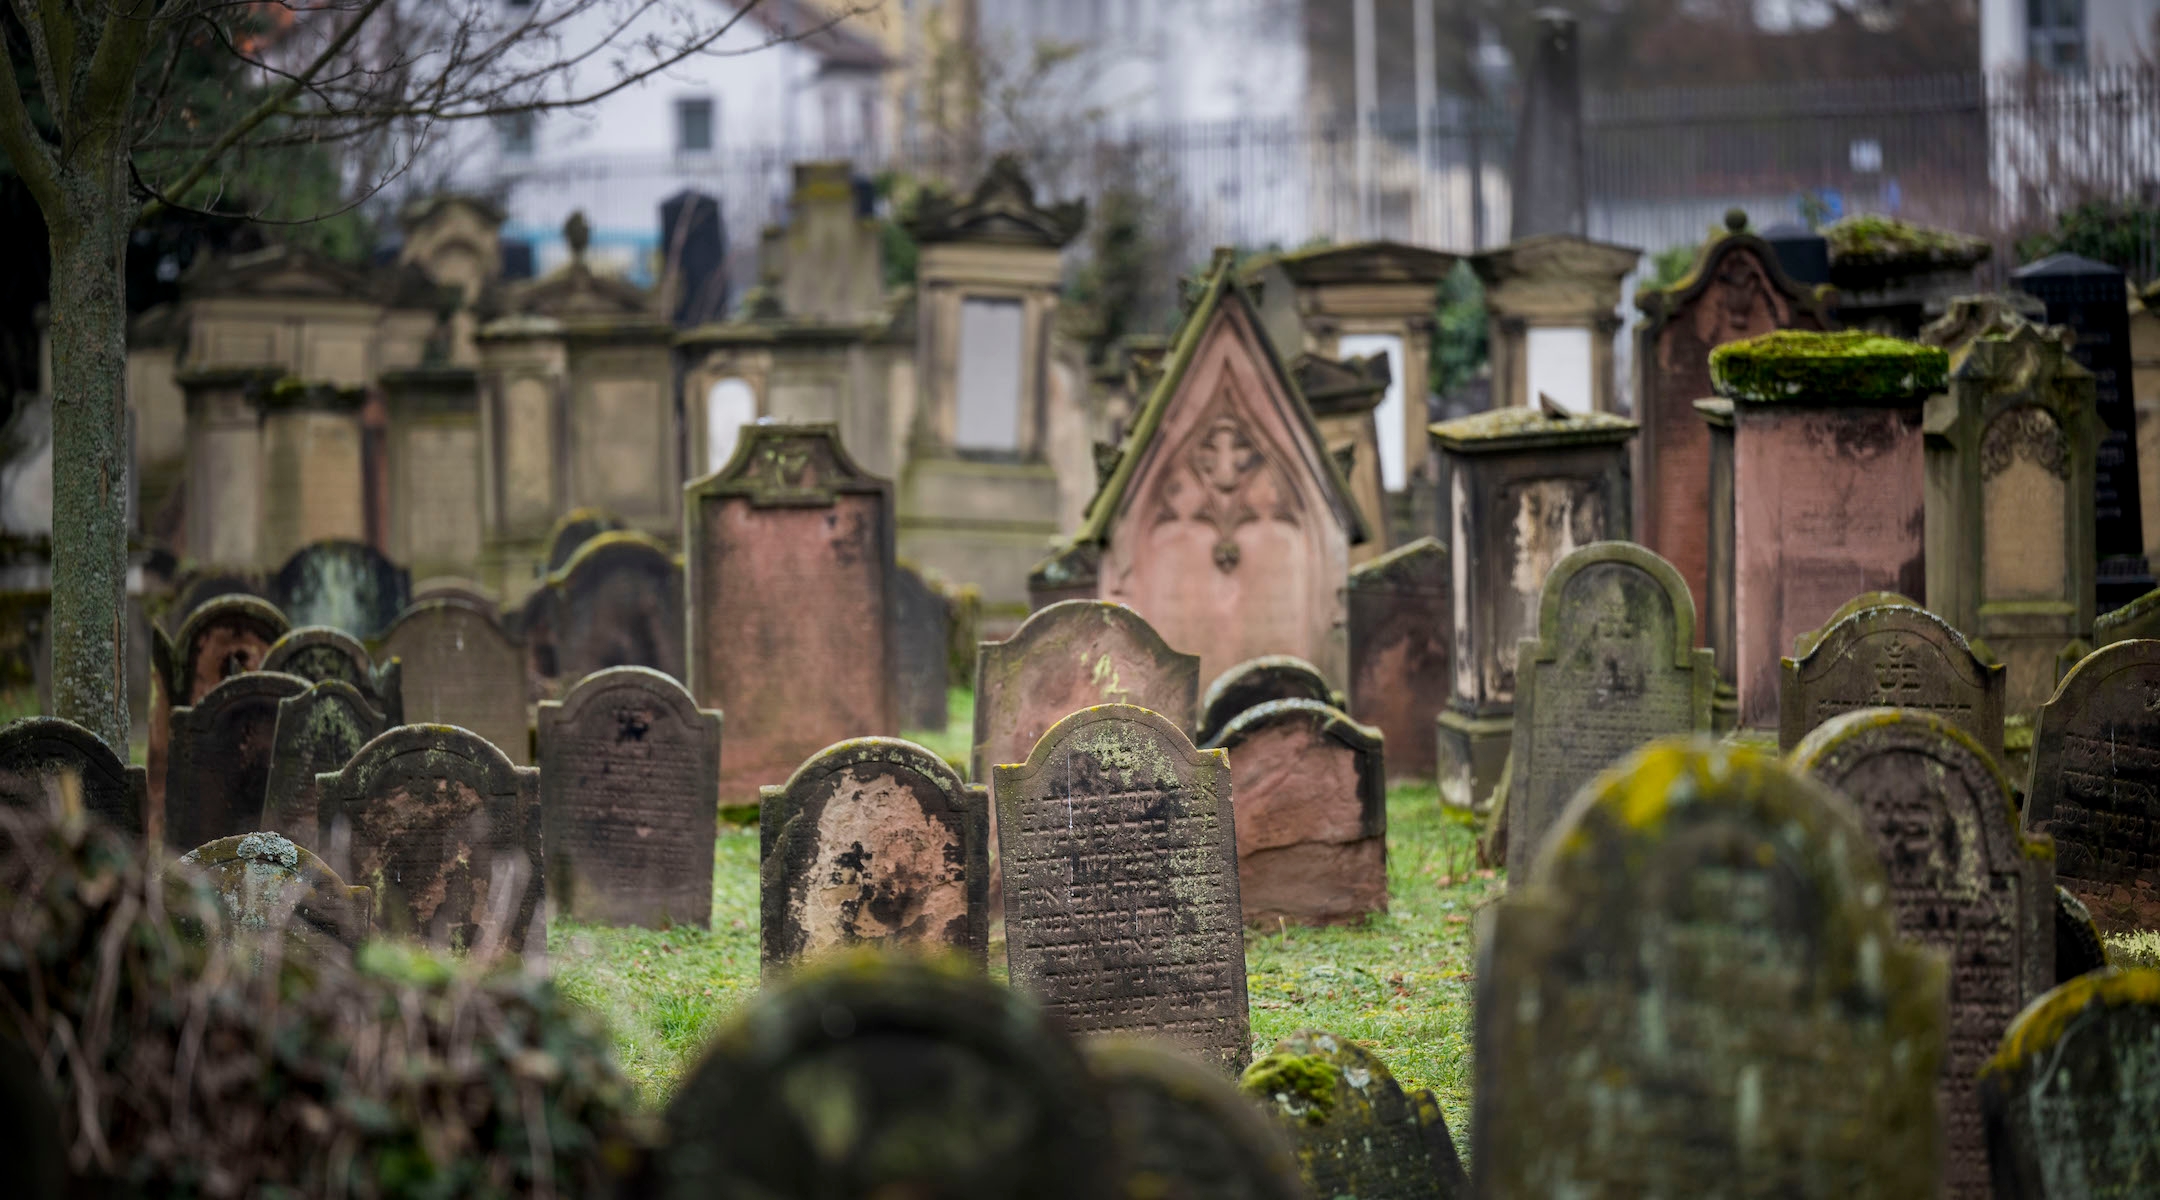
(2067, 35)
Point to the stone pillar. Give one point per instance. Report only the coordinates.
(1547, 183)
(435, 469)
(1552, 304)
(2145, 390)
(1525, 489)
(313, 474)
(225, 464)
(1719, 630)
(524, 381)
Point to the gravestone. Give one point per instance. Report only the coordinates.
(1311, 814)
(1072, 655)
(629, 778)
(874, 841)
(1256, 681)
(1400, 638)
(1614, 666)
(951, 1088)
(266, 885)
(1970, 318)
(1708, 937)
(791, 562)
(2138, 619)
(2078, 945)
(223, 636)
(618, 602)
(458, 667)
(1893, 654)
(222, 750)
(1721, 628)
(572, 530)
(344, 585)
(922, 636)
(2073, 1096)
(316, 733)
(317, 653)
(1356, 1132)
(447, 833)
(1182, 1130)
(1118, 846)
(2096, 766)
(34, 751)
(1963, 882)
(196, 586)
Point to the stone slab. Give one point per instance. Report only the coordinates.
(1892, 654)
(316, 733)
(1311, 814)
(222, 750)
(2073, 1095)
(36, 751)
(1401, 614)
(1255, 682)
(458, 667)
(2096, 767)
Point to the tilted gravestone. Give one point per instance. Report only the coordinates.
(1401, 633)
(1118, 845)
(1073, 655)
(572, 530)
(1356, 1132)
(1614, 666)
(447, 833)
(1311, 814)
(2078, 945)
(877, 841)
(316, 733)
(318, 653)
(36, 750)
(2073, 1095)
(1256, 681)
(265, 885)
(922, 631)
(618, 602)
(222, 750)
(344, 585)
(458, 667)
(1708, 937)
(1963, 881)
(223, 636)
(630, 800)
(1890, 655)
(2138, 619)
(2096, 767)
(1183, 1130)
(945, 1085)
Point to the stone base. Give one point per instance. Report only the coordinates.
(1314, 883)
(1471, 752)
(1724, 709)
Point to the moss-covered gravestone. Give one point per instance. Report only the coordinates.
(316, 732)
(878, 841)
(35, 751)
(447, 833)
(1311, 814)
(618, 602)
(458, 667)
(1073, 655)
(875, 1076)
(218, 772)
(266, 886)
(1119, 850)
(2096, 768)
(2138, 619)
(922, 635)
(1255, 682)
(1963, 881)
(1401, 633)
(1699, 982)
(1184, 1131)
(344, 585)
(1614, 665)
(2073, 1096)
(1356, 1132)
(630, 800)
(1891, 654)
(318, 653)
(2078, 945)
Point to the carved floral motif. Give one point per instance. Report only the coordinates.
(2029, 432)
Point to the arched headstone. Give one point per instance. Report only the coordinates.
(265, 885)
(1311, 814)
(222, 752)
(2095, 769)
(1073, 655)
(316, 733)
(1255, 682)
(572, 530)
(318, 653)
(1890, 655)
(345, 585)
(33, 750)
(2072, 1098)
(618, 602)
(1183, 1130)
(458, 667)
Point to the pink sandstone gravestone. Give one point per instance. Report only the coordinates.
(1402, 615)
(1311, 804)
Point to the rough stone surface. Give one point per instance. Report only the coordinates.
(1183, 1131)
(1311, 814)
(316, 733)
(2138, 619)
(2096, 767)
(2078, 945)
(2073, 1096)
(572, 530)
(1357, 1133)
(922, 642)
(459, 668)
(1963, 882)
(1073, 655)
(618, 602)
(630, 797)
(1255, 682)
(36, 751)
(219, 769)
(1118, 845)
(225, 635)
(1401, 633)
(1890, 655)
(265, 885)
(344, 585)
(873, 841)
(318, 653)
(1697, 990)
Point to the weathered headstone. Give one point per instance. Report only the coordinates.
(458, 667)
(344, 585)
(33, 750)
(1697, 989)
(2138, 619)
(223, 636)
(265, 885)
(1401, 634)
(873, 841)
(317, 732)
(2096, 767)
(1963, 881)
(1614, 666)
(1311, 813)
(1255, 682)
(944, 1085)
(1182, 1130)
(447, 833)
(1356, 1132)
(922, 629)
(1890, 655)
(1118, 846)
(2073, 1095)
(1721, 626)
(618, 602)
(791, 561)
(572, 530)
(1072, 655)
(2078, 945)
(318, 653)
(629, 795)
(219, 769)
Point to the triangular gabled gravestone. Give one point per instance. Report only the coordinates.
(1357, 1133)
(1311, 814)
(344, 585)
(1963, 881)
(447, 832)
(1255, 682)
(1183, 1130)
(1614, 666)
(319, 654)
(1698, 982)
(458, 667)
(2095, 771)
(1402, 630)
(316, 733)
(2073, 1095)
(618, 602)
(791, 561)
(1226, 522)
(35, 750)
(1072, 655)
(1890, 655)
(222, 749)
(874, 841)
(1118, 846)
(629, 791)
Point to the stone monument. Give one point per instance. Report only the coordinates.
(1311, 814)
(1886, 652)
(2096, 763)
(1401, 633)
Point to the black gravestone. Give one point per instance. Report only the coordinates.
(36, 748)
(693, 243)
(344, 585)
(218, 770)
(317, 732)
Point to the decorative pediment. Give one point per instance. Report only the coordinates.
(1002, 209)
(1361, 262)
(1748, 273)
(575, 290)
(1334, 386)
(788, 466)
(286, 272)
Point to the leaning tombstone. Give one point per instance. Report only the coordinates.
(1118, 846)
(1073, 655)
(1255, 682)
(2096, 766)
(447, 833)
(1182, 1130)
(1963, 881)
(2073, 1095)
(1401, 634)
(318, 653)
(945, 1086)
(222, 751)
(1614, 665)
(344, 585)
(1890, 655)
(1707, 936)
(316, 732)
(266, 886)
(575, 528)
(458, 667)
(2079, 948)
(922, 629)
(630, 800)
(618, 602)
(1311, 814)
(34, 750)
(1356, 1132)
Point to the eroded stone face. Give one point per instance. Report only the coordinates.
(316, 732)
(2073, 1096)
(2096, 766)
(344, 585)
(268, 887)
(1074, 655)
(461, 669)
(1891, 655)
(1311, 814)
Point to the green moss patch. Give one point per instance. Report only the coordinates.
(1303, 1084)
(1874, 240)
(1852, 367)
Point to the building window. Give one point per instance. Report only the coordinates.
(514, 133)
(2055, 34)
(730, 405)
(989, 386)
(694, 125)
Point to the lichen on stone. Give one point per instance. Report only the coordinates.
(2044, 1022)
(1872, 239)
(1301, 1085)
(1849, 367)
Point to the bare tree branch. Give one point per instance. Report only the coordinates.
(32, 158)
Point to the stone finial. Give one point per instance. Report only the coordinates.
(1736, 219)
(578, 232)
